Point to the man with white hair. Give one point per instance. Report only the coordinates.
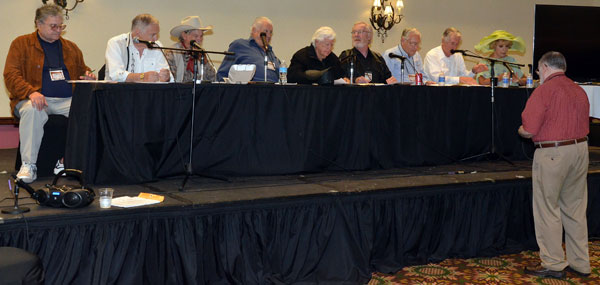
(253, 51)
(129, 60)
(316, 63)
(182, 63)
(441, 60)
(409, 48)
(369, 66)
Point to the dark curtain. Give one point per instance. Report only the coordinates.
(340, 237)
(132, 133)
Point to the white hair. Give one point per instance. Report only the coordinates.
(259, 22)
(410, 31)
(323, 33)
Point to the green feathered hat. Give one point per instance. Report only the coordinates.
(484, 45)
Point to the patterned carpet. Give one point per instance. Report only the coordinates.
(505, 269)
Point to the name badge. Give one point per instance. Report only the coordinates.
(57, 74)
(270, 65)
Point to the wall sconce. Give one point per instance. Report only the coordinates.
(63, 3)
(384, 16)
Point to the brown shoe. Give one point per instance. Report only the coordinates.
(578, 273)
(544, 272)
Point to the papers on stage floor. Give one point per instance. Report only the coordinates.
(141, 200)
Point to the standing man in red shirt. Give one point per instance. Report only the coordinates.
(556, 118)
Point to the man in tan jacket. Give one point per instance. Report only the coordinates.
(37, 68)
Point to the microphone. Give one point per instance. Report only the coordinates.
(510, 70)
(194, 44)
(149, 44)
(463, 51)
(400, 57)
(263, 37)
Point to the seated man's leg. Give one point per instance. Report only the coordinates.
(31, 131)
(59, 106)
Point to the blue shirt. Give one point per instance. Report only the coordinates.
(53, 60)
(247, 51)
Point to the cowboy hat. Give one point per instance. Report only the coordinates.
(484, 45)
(189, 23)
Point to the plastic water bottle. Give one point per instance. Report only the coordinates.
(505, 82)
(442, 79)
(529, 83)
(283, 73)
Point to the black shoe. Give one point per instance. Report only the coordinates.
(580, 274)
(543, 272)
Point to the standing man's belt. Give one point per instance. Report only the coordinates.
(560, 143)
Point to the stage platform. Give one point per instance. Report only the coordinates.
(335, 226)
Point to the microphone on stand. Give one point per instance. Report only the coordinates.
(512, 72)
(263, 37)
(400, 57)
(149, 44)
(463, 51)
(195, 44)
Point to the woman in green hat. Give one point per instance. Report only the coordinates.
(499, 43)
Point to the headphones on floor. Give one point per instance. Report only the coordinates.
(69, 196)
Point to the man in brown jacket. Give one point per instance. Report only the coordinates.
(37, 68)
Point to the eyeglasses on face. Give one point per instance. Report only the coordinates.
(57, 27)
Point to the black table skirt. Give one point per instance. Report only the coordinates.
(132, 133)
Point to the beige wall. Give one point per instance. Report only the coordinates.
(95, 21)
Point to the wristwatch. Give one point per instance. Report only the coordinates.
(142, 76)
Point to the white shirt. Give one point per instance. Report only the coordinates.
(453, 66)
(122, 58)
(412, 64)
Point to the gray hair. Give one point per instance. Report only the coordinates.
(323, 33)
(409, 31)
(47, 10)
(449, 32)
(142, 21)
(554, 60)
(369, 28)
(259, 22)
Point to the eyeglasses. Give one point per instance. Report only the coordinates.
(56, 27)
(414, 44)
(359, 32)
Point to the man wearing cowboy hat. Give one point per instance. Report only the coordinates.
(130, 60)
(252, 51)
(182, 64)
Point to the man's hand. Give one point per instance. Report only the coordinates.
(38, 100)
(391, 80)
(522, 132)
(362, 79)
(88, 76)
(479, 68)
(467, 80)
(164, 75)
(150, 76)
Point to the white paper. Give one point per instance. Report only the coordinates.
(340, 81)
(128, 202)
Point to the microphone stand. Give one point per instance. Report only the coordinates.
(15, 210)
(493, 81)
(195, 52)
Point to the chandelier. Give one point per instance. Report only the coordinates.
(63, 3)
(384, 16)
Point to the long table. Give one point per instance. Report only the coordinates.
(132, 133)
